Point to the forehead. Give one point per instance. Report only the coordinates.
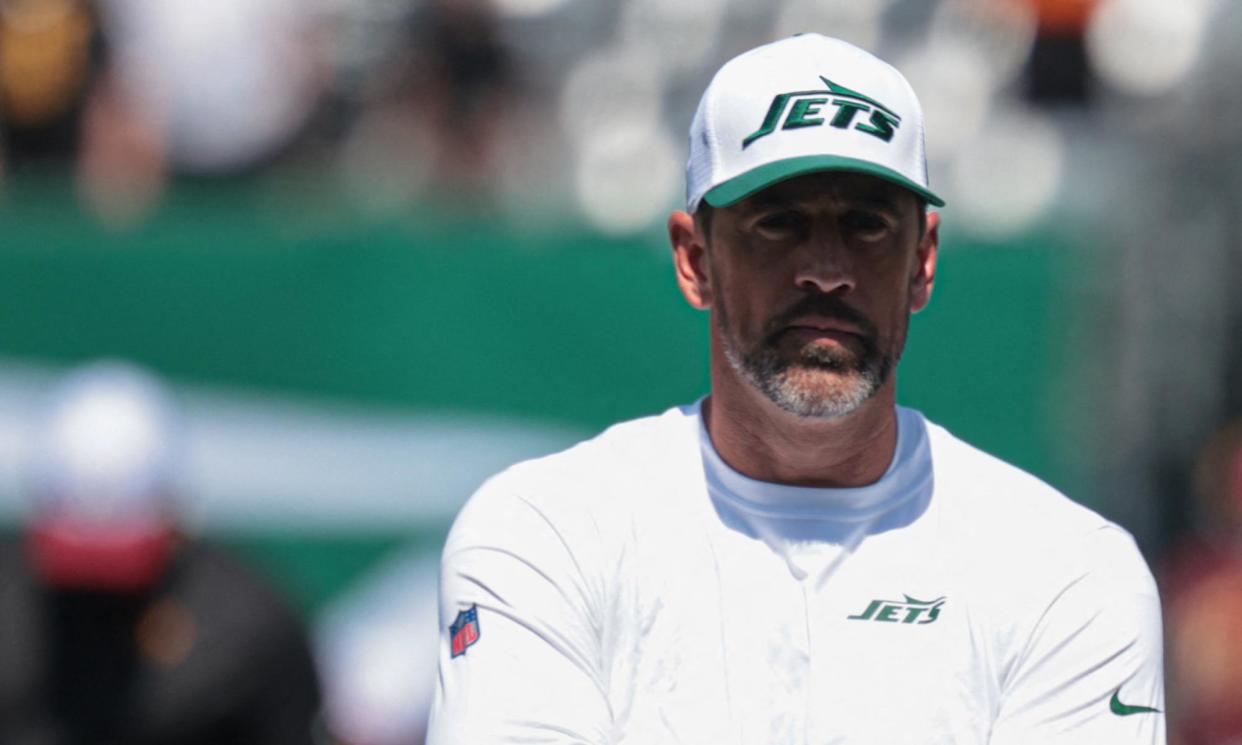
(827, 188)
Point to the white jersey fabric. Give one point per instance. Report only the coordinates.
(635, 589)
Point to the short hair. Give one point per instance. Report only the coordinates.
(703, 218)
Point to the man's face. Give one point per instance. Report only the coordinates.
(812, 282)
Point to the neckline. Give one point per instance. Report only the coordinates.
(908, 473)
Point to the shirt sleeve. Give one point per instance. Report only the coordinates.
(525, 663)
(1091, 671)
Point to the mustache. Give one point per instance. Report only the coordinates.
(826, 306)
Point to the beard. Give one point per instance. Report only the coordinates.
(813, 381)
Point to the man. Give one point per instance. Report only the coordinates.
(795, 559)
(115, 628)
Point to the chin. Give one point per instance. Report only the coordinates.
(816, 383)
(818, 393)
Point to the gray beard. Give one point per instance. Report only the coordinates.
(783, 384)
(784, 381)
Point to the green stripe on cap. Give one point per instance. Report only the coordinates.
(738, 188)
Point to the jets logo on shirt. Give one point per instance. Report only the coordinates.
(908, 610)
(464, 631)
(837, 106)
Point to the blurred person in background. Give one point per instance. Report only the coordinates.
(1203, 591)
(200, 89)
(1059, 70)
(127, 94)
(464, 89)
(51, 54)
(63, 108)
(115, 627)
(433, 116)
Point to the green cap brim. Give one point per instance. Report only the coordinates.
(736, 189)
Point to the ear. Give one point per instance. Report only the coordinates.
(924, 279)
(690, 259)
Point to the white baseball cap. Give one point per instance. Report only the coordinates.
(800, 105)
(102, 472)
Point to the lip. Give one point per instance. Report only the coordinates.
(816, 330)
(828, 326)
(813, 334)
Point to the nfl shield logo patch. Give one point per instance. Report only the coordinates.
(464, 631)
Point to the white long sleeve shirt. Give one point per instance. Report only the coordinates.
(635, 589)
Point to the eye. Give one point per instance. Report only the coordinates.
(780, 224)
(866, 224)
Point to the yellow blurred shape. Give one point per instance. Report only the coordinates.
(44, 58)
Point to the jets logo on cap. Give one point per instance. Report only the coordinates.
(807, 109)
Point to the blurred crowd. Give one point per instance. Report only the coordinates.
(128, 94)
(530, 105)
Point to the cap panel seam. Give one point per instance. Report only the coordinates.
(713, 142)
(920, 151)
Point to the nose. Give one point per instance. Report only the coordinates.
(824, 266)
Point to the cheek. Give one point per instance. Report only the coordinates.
(741, 317)
(889, 310)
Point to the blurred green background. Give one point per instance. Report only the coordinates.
(559, 325)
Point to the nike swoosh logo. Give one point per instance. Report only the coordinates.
(1125, 710)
